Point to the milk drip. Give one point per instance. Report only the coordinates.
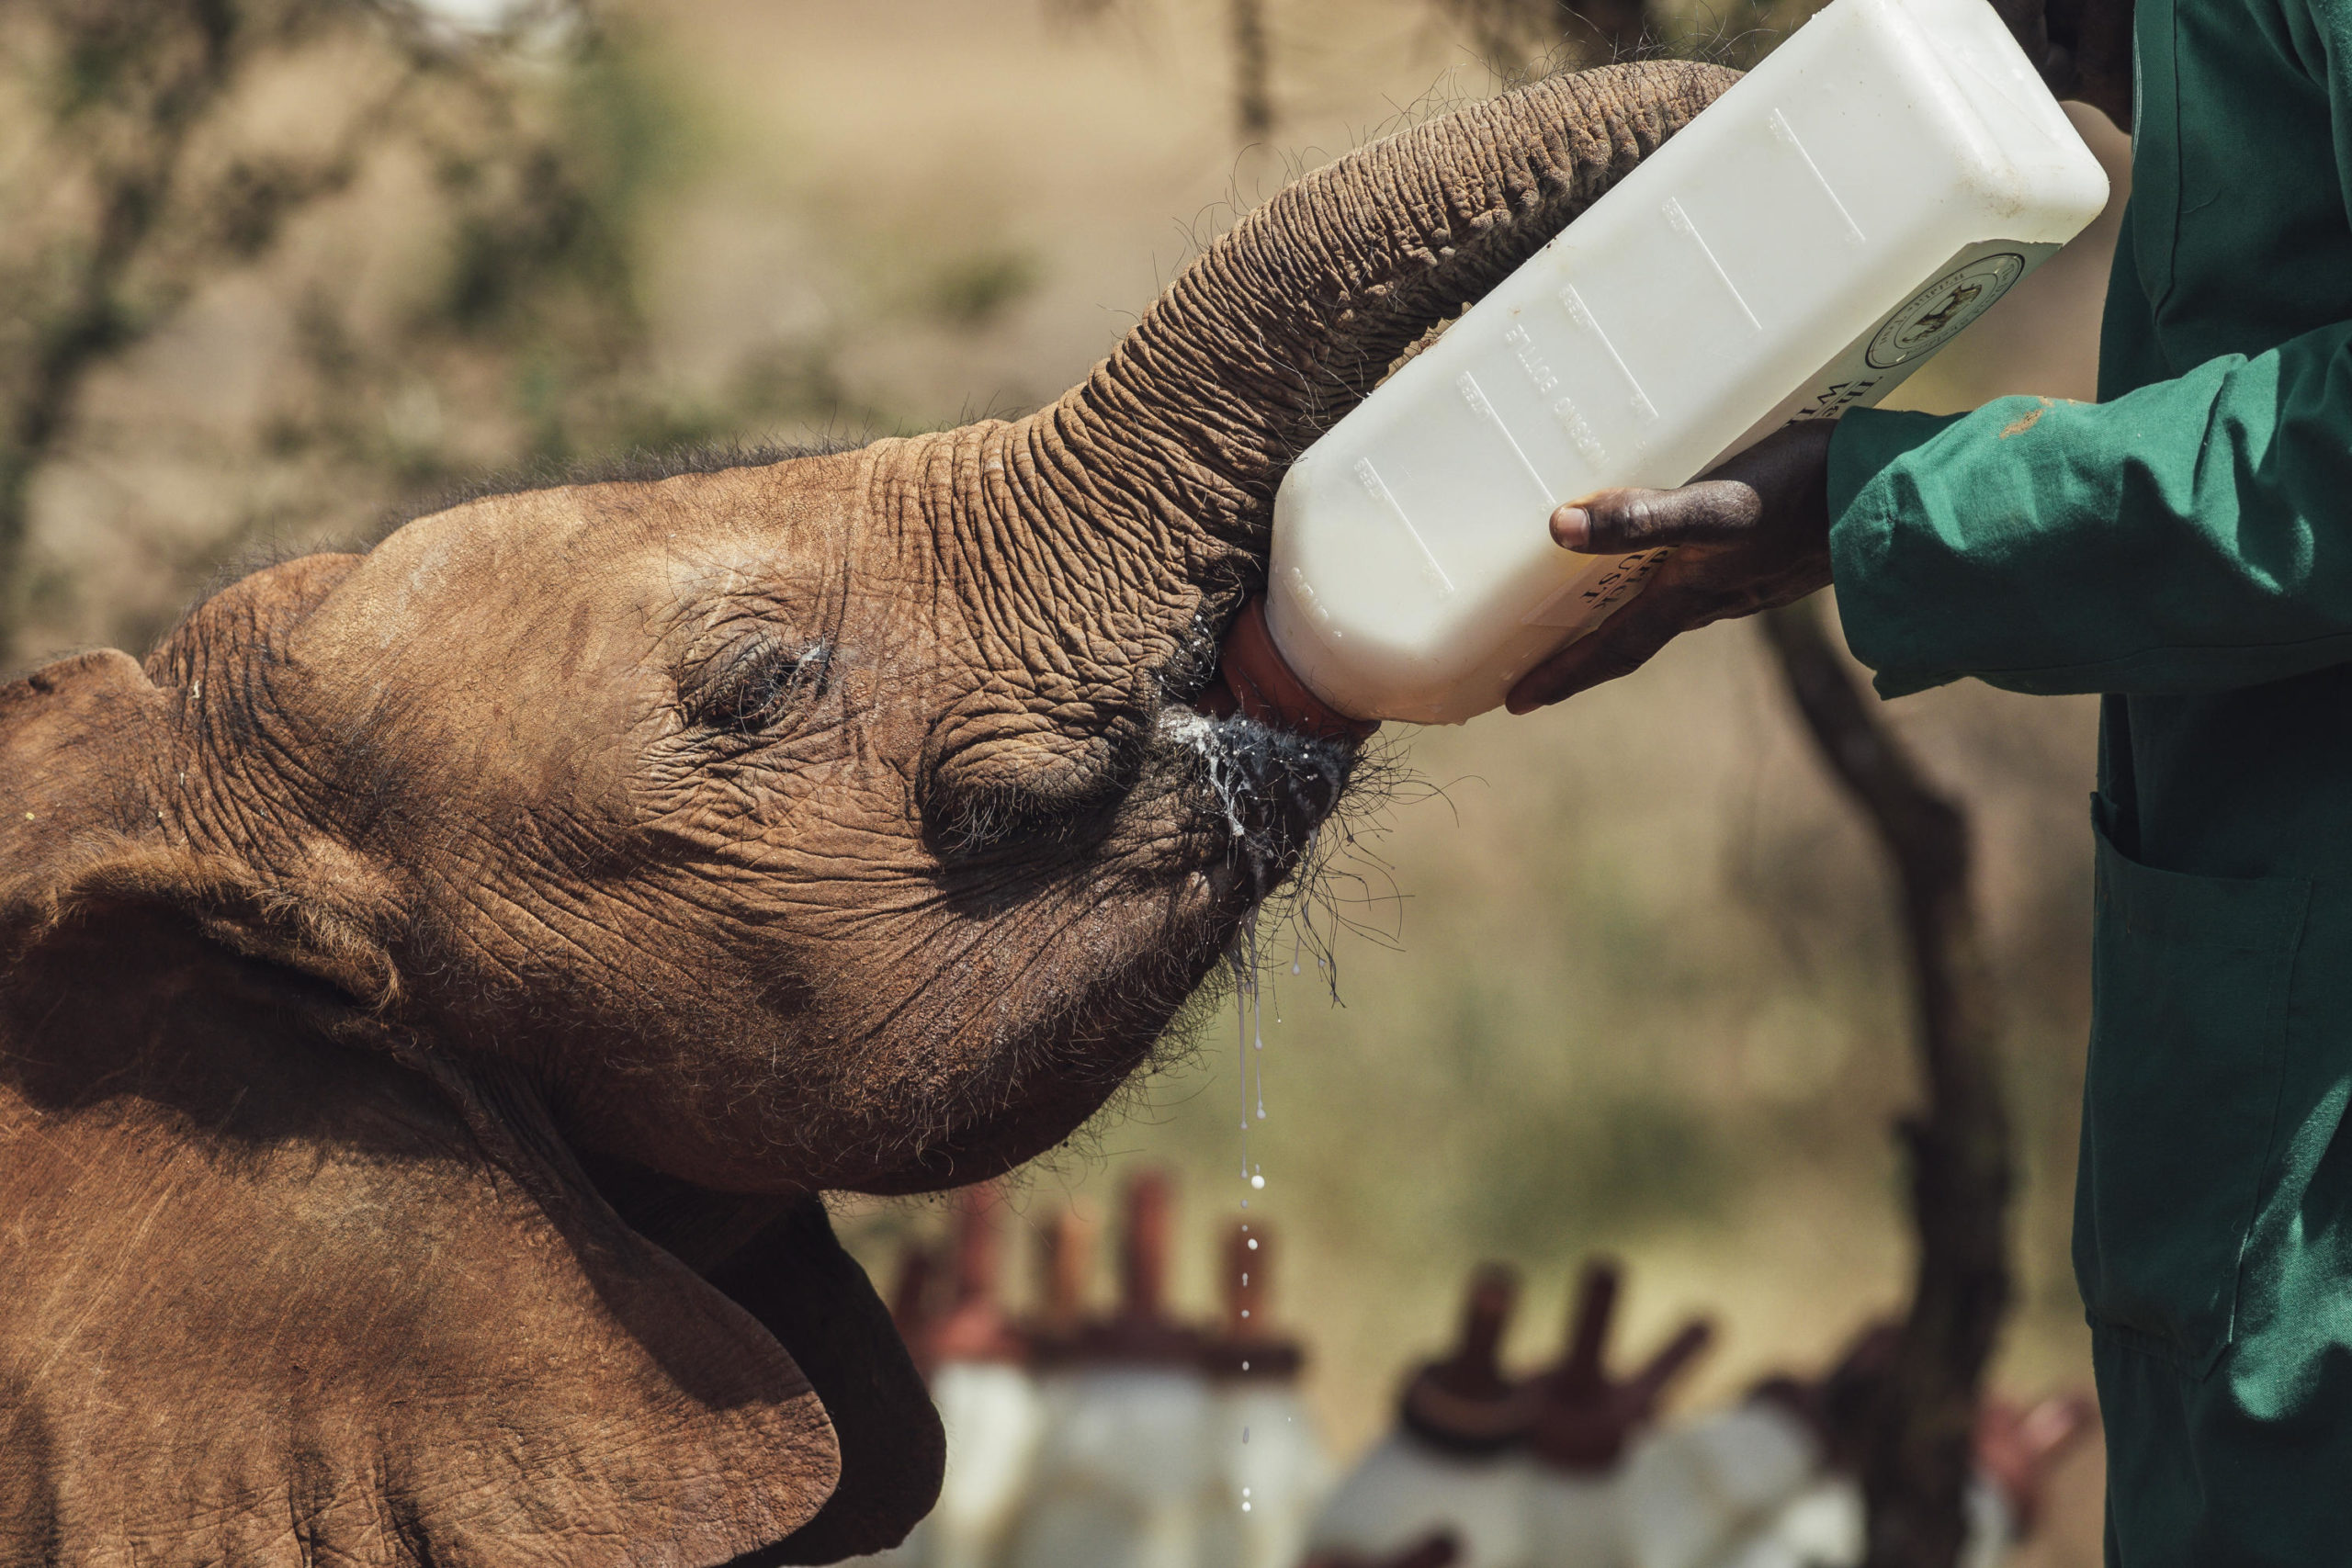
(1124, 1474)
(1272, 1468)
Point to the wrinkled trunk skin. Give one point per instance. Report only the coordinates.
(1111, 533)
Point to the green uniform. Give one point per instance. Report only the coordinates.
(2185, 546)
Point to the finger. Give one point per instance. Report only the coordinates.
(1649, 1384)
(1588, 1324)
(1623, 644)
(1613, 521)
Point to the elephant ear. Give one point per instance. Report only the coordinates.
(270, 1296)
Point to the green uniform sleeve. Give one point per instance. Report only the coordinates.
(2192, 536)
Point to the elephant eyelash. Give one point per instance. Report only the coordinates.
(749, 687)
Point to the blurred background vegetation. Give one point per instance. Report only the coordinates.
(1622, 976)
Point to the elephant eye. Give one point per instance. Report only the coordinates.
(751, 684)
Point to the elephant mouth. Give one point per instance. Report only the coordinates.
(1261, 790)
(1269, 761)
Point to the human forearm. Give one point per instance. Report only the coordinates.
(2192, 535)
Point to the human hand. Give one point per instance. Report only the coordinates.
(1753, 533)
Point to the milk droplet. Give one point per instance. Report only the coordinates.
(1245, 1366)
(1245, 1312)
(1245, 1279)
(1245, 1507)
(1258, 1181)
(1253, 1244)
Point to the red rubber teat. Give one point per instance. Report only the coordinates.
(1142, 1332)
(1464, 1402)
(974, 1328)
(1253, 680)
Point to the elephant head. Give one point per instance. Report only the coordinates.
(436, 985)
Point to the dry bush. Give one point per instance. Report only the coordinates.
(278, 267)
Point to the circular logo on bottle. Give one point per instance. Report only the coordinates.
(1942, 309)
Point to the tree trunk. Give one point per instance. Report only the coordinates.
(1916, 1462)
(1253, 97)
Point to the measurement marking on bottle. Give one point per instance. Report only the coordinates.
(1467, 385)
(1367, 476)
(1580, 430)
(1786, 135)
(1680, 221)
(1581, 313)
(1538, 373)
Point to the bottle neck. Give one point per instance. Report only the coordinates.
(1254, 681)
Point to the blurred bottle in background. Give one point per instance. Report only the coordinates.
(1136, 1440)
(1455, 1464)
(991, 1406)
(1775, 1480)
(1124, 1477)
(1701, 1492)
(1582, 1423)
(1263, 1445)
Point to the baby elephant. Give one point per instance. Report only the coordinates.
(438, 983)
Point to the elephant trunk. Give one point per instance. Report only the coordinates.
(1290, 318)
(1105, 541)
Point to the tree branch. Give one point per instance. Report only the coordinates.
(1916, 1471)
(93, 322)
(1253, 100)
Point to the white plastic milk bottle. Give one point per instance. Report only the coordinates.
(1795, 251)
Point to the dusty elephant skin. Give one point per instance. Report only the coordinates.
(436, 986)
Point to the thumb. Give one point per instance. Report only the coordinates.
(1613, 520)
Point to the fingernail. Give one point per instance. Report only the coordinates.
(1572, 527)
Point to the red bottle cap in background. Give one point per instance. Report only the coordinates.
(1463, 1403)
(1140, 1332)
(1584, 1417)
(1065, 1260)
(975, 1328)
(910, 1305)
